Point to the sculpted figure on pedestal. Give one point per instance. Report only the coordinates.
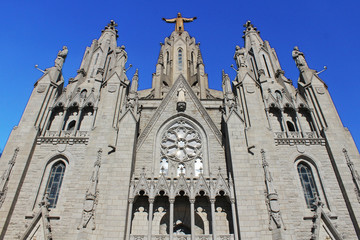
(61, 56)
(299, 58)
(179, 22)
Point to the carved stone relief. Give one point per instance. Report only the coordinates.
(5, 177)
(91, 196)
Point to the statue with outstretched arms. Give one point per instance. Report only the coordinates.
(179, 22)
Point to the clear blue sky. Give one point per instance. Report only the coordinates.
(327, 32)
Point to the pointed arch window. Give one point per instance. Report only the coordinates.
(307, 183)
(54, 182)
(180, 62)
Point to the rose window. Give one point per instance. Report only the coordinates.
(181, 147)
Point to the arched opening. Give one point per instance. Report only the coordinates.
(290, 119)
(160, 223)
(83, 94)
(278, 95)
(139, 224)
(290, 126)
(308, 183)
(71, 118)
(54, 182)
(203, 213)
(223, 215)
(182, 215)
(71, 125)
(180, 60)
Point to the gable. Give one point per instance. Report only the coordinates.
(166, 115)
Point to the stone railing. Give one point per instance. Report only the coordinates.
(225, 237)
(67, 133)
(294, 135)
(49, 133)
(160, 237)
(81, 133)
(296, 138)
(182, 237)
(203, 237)
(138, 237)
(279, 135)
(310, 135)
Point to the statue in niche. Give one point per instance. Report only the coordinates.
(203, 215)
(61, 56)
(299, 58)
(140, 221)
(55, 124)
(159, 227)
(222, 224)
(86, 121)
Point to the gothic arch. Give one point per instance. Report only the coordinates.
(313, 167)
(193, 124)
(55, 159)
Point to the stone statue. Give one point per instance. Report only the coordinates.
(240, 56)
(61, 56)
(121, 57)
(299, 59)
(179, 22)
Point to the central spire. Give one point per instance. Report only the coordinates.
(179, 22)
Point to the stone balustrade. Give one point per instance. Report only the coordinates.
(182, 237)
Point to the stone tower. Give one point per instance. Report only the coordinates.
(100, 159)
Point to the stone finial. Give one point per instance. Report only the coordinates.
(250, 27)
(111, 26)
(199, 57)
(135, 82)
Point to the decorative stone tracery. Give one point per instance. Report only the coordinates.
(91, 196)
(181, 150)
(5, 177)
(181, 207)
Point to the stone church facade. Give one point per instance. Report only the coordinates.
(100, 159)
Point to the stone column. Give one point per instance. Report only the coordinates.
(315, 123)
(233, 211)
(299, 122)
(151, 209)
(93, 119)
(62, 123)
(78, 121)
(192, 214)
(47, 123)
(284, 123)
(128, 226)
(212, 201)
(268, 119)
(171, 220)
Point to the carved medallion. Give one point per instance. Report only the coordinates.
(41, 88)
(320, 90)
